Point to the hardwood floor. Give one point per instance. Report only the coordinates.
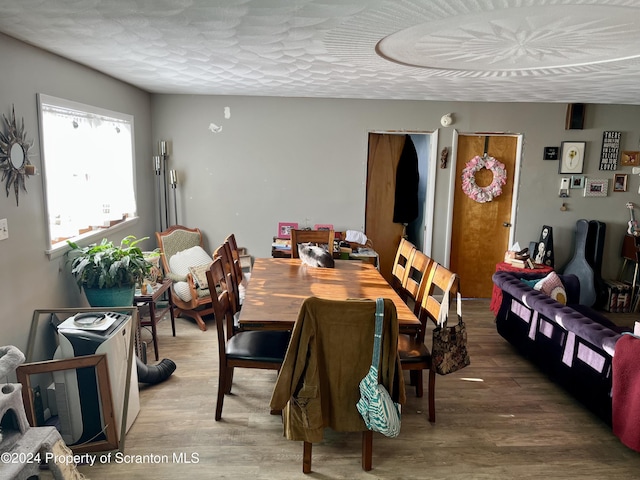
(499, 418)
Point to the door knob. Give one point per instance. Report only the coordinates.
(506, 224)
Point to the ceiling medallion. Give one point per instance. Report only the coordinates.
(519, 41)
(14, 151)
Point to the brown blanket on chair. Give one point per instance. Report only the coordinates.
(626, 391)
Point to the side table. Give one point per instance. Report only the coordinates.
(154, 315)
(496, 294)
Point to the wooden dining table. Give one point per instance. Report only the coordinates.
(278, 286)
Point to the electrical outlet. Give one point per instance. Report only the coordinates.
(4, 229)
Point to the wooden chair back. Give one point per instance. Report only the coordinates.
(400, 269)
(321, 237)
(223, 252)
(431, 305)
(418, 278)
(235, 255)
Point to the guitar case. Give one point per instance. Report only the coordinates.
(594, 252)
(580, 267)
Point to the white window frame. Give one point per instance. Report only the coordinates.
(95, 235)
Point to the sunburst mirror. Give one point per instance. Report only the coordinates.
(14, 151)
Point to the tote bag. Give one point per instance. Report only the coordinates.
(449, 348)
(378, 410)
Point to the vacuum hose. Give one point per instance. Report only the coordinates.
(153, 374)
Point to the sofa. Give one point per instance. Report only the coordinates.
(572, 343)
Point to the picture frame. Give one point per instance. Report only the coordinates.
(620, 182)
(284, 229)
(550, 153)
(323, 226)
(572, 157)
(630, 158)
(577, 181)
(99, 363)
(596, 187)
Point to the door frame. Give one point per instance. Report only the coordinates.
(430, 200)
(452, 186)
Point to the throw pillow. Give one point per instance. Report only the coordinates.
(552, 286)
(199, 274)
(530, 283)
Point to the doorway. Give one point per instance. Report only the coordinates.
(384, 153)
(481, 233)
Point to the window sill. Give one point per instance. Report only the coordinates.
(89, 237)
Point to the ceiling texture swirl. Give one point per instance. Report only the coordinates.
(569, 51)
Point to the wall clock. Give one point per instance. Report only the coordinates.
(571, 157)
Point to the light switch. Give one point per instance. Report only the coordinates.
(4, 229)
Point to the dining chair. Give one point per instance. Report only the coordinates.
(320, 237)
(415, 356)
(400, 268)
(329, 354)
(235, 256)
(188, 297)
(223, 251)
(263, 349)
(418, 279)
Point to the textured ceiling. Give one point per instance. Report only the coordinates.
(469, 50)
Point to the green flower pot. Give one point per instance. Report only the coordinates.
(110, 297)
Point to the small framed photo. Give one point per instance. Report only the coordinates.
(572, 157)
(620, 182)
(596, 187)
(323, 226)
(577, 181)
(551, 153)
(284, 229)
(630, 159)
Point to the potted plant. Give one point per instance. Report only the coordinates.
(108, 273)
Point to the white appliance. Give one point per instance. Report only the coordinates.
(77, 398)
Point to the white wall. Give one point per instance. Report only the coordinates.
(28, 279)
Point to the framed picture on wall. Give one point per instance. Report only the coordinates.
(620, 182)
(630, 159)
(577, 181)
(596, 187)
(572, 157)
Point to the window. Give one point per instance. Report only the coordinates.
(88, 169)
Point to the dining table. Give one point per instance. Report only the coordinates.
(278, 287)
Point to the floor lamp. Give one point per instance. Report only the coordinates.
(160, 168)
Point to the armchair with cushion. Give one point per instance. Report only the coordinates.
(185, 262)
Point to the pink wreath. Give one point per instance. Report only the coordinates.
(488, 193)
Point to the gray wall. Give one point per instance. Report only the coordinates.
(304, 160)
(279, 159)
(28, 278)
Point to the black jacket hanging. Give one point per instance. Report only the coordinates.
(405, 209)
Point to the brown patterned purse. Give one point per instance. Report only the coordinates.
(449, 348)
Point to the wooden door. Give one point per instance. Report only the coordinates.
(480, 231)
(384, 154)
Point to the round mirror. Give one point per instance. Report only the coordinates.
(16, 155)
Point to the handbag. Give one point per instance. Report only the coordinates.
(449, 348)
(378, 410)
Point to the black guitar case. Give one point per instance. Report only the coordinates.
(594, 253)
(580, 267)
